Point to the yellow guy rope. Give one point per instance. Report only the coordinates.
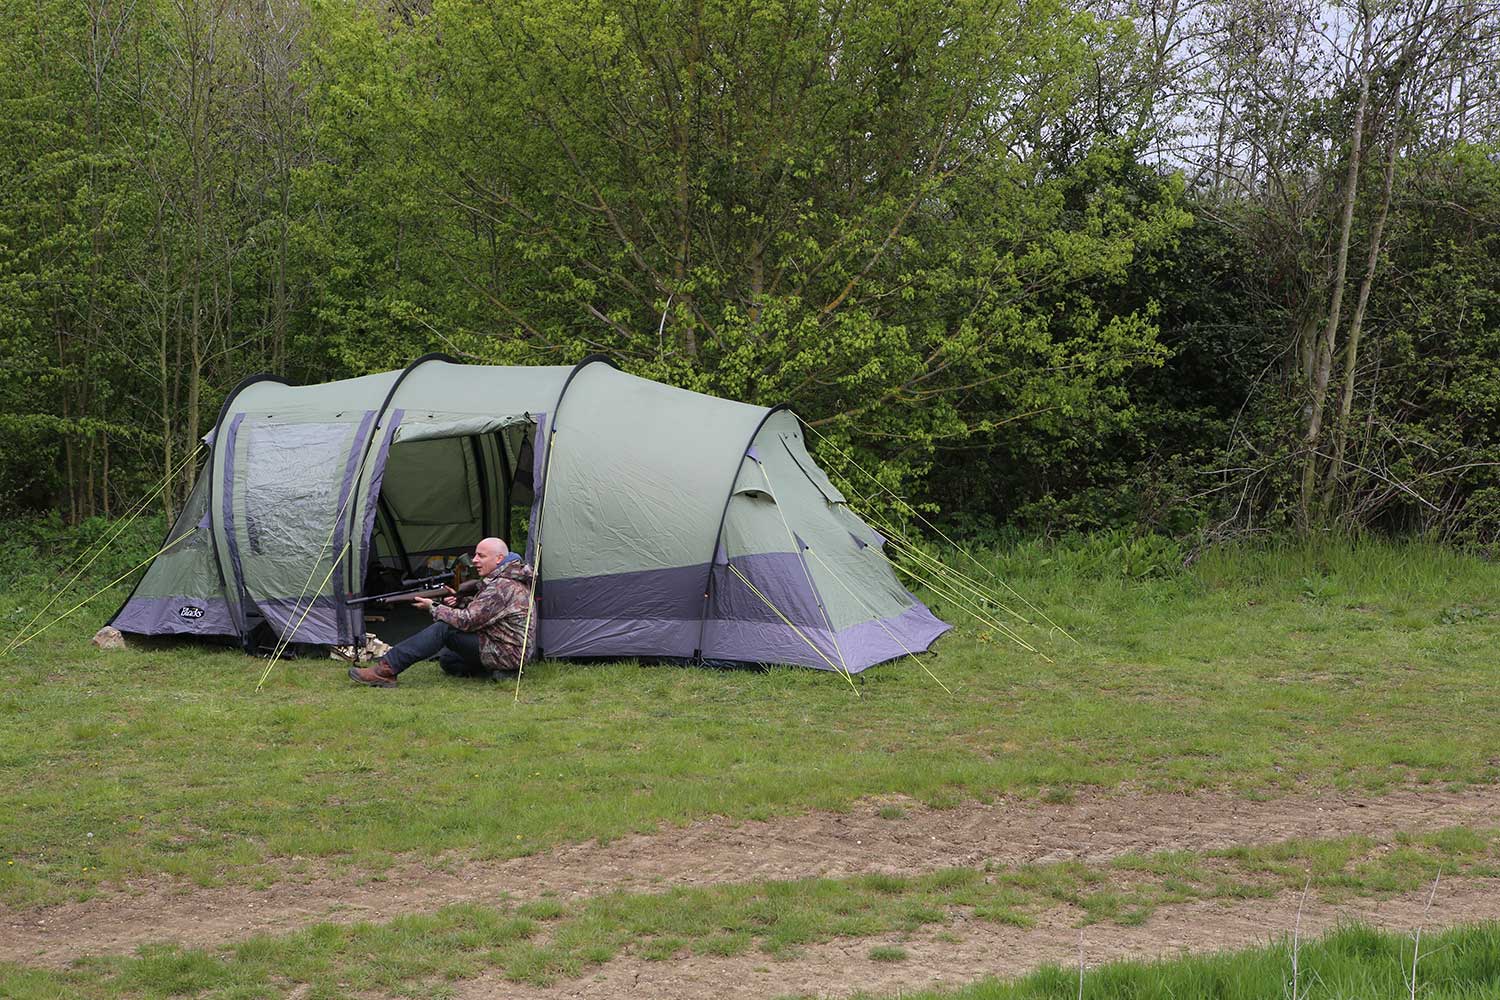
(791, 536)
(934, 565)
(1000, 627)
(107, 586)
(938, 568)
(133, 512)
(950, 576)
(287, 639)
(894, 533)
(878, 620)
(961, 601)
(831, 665)
(1041, 614)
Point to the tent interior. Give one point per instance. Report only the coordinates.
(438, 495)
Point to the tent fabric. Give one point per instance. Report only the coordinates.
(664, 523)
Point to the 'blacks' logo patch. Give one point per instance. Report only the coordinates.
(189, 611)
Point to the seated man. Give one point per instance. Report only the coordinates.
(486, 637)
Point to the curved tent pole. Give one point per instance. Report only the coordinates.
(724, 514)
(540, 498)
(359, 470)
(244, 384)
(344, 518)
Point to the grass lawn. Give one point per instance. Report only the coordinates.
(1253, 670)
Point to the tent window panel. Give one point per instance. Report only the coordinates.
(296, 471)
(432, 482)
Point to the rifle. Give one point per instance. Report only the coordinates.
(421, 590)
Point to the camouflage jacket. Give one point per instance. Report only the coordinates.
(499, 613)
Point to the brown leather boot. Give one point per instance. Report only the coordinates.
(380, 675)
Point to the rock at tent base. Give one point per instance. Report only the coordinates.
(108, 638)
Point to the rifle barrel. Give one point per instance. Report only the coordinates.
(406, 596)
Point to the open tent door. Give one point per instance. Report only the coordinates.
(440, 487)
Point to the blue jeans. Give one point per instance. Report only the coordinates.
(457, 651)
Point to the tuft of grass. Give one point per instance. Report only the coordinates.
(542, 909)
(887, 953)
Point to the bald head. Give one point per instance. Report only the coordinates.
(488, 554)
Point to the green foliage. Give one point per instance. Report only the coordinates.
(946, 236)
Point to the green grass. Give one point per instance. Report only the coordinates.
(1352, 963)
(1255, 670)
(543, 941)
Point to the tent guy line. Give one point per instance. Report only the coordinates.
(941, 534)
(133, 512)
(949, 574)
(107, 587)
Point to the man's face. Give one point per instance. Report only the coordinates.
(487, 555)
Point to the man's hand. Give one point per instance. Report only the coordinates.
(425, 603)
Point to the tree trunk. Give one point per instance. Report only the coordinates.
(1323, 357)
(1356, 325)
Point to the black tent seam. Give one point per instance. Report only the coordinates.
(359, 470)
(723, 514)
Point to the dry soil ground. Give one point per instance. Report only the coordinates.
(1091, 828)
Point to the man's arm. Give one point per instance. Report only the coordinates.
(482, 610)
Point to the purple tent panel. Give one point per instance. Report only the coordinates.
(320, 624)
(176, 615)
(656, 613)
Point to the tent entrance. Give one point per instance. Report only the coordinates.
(440, 493)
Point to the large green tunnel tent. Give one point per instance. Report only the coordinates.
(672, 524)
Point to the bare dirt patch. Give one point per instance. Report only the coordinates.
(961, 954)
(1093, 828)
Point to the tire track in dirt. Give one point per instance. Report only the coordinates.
(1093, 828)
(973, 949)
